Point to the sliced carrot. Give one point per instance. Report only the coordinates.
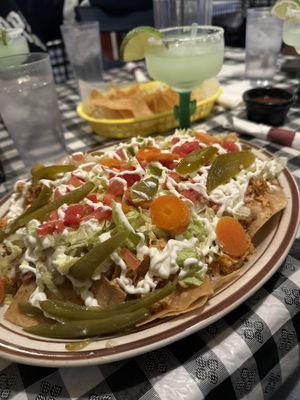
(232, 237)
(170, 213)
(111, 162)
(146, 153)
(163, 157)
(2, 290)
(205, 138)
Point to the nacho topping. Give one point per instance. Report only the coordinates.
(118, 225)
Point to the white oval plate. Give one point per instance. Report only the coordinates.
(274, 244)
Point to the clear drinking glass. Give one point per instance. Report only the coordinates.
(184, 58)
(291, 37)
(169, 13)
(82, 42)
(263, 43)
(28, 106)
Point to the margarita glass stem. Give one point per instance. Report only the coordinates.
(185, 109)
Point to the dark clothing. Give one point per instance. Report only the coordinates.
(40, 19)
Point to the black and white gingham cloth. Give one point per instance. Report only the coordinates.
(248, 354)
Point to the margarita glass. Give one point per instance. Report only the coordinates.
(183, 58)
(291, 37)
(12, 43)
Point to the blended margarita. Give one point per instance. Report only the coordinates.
(184, 62)
(12, 42)
(291, 29)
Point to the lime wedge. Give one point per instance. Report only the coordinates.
(135, 42)
(280, 8)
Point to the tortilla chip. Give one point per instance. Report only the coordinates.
(14, 315)
(220, 281)
(263, 211)
(108, 292)
(182, 301)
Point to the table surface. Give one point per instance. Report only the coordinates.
(244, 355)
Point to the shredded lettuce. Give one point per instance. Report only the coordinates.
(242, 213)
(196, 229)
(135, 218)
(62, 261)
(44, 278)
(87, 234)
(183, 254)
(122, 224)
(194, 280)
(5, 261)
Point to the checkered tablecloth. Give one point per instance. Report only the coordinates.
(248, 354)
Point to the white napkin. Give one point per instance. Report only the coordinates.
(232, 94)
(137, 72)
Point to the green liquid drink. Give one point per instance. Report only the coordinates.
(184, 65)
(291, 37)
(12, 43)
(291, 34)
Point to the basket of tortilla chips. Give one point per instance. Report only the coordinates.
(142, 109)
(152, 228)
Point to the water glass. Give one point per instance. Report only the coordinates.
(82, 42)
(28, 106)
(263, 43)
(169, 13)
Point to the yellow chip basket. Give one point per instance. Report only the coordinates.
(129, 127)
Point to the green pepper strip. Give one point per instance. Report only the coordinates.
(85, 267)
(227, 166)
(193, 161)
(83, 329)
(73, 312)
(29, 309)
(51, 172)
(41, 200)
(70, 198)
(145, 190)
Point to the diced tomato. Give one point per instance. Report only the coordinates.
(58, 194)
(192, 195)
(229, 146)
(2, 290)
(108, 198)
(175, 140)
(53, 215)
(100, 214)
(131, 178)
(176, 177)
(186, 148)
(169, 164)
(130, 259)
(75, 213)
(75, 181)
(79, 210)
(116, 188)
(72, 221)
(50, 227)
(92, 197)
(121, 154)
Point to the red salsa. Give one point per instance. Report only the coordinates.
(269, 100)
